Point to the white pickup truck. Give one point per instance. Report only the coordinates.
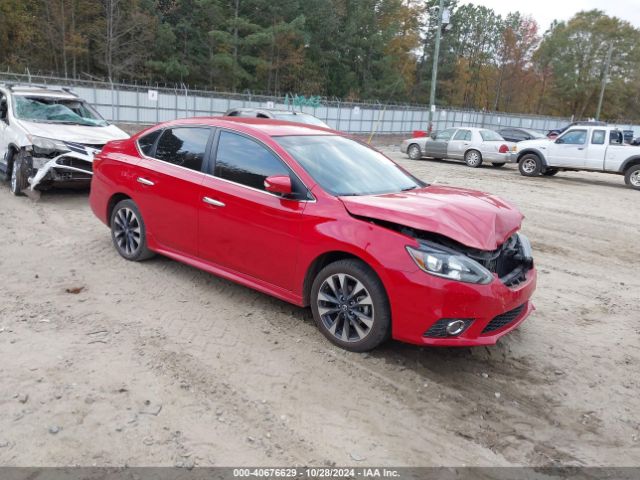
(592, 148)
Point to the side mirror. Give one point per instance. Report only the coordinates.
(279, 184)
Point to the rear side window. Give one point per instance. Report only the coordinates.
(183, 146)
(598, 137)
(245, 161)
(463, 135)
(147, 142)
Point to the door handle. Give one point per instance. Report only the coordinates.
(144, 181)
(213, 202)
(580, 148)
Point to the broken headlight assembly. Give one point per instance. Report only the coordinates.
(47, 147)
(446, 263)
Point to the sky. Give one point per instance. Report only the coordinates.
(545, 11)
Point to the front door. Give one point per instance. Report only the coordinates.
(168, 183)
(437, 148)
(242, 227)
(569, 150)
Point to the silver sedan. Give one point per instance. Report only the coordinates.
(473, 145)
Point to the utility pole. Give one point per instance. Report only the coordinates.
(434, 69)
(604, 80)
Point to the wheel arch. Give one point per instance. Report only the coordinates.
(113, 201)
(534, 151)
(322, 261)
(630, 162)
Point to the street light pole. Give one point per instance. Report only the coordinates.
(434, 69)
(604, 80)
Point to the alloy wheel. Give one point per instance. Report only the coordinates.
(345, 307)
(473, 159)
(529, 165)
(634, 178)
(414, 152)
(127, 231)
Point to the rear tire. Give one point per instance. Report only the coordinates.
(632, 177)
(530, 165)
(128, 232)
(473, 158)
(19, 176)
(414, 152)
(350, 305)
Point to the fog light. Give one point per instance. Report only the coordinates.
(455, 327)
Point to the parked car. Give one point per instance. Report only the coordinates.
(513, 134)
(48, 136)
(286, 115)
(315, 218)
(473, 145)
(591, 148)
(556, 132)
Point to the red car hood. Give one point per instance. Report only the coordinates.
(475, 219)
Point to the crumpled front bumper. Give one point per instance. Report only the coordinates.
(72, 166)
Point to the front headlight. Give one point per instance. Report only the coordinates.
(448, 264)
(47, 146)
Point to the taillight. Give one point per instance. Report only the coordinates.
(503, 149)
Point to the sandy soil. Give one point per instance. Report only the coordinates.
(158, 363)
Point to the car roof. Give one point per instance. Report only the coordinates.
(265, 126)
(41, 91)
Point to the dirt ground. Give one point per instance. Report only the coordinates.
(157, 363)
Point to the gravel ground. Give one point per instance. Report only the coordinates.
(106, 362)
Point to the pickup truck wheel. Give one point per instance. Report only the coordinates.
(550, 172)
(473, 158)
(19, 176)
(632, 177)
(414, 152)
(530, 165)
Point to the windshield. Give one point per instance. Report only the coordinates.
(490, 136)
(300, 118)
(345, 167)
(56, 110)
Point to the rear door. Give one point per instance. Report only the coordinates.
(569, 149)
(459, 144)
(437, 148)
(168, 181)
(242, 227)
(597, 149)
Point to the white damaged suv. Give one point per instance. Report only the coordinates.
(48, 137)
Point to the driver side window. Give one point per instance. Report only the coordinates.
(574, 137)
(445, 135)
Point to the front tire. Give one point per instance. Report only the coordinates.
(350, 306)
(414, 152)
(128, 232)
(19, 178)
(473, 158)
(530, 165)
(632, 177)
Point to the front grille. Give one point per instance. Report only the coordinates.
(504, 319)
(76, 163)
(507, 261)
(438, 329)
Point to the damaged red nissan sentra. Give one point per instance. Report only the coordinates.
(315, 218)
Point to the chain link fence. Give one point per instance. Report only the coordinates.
(144, 104)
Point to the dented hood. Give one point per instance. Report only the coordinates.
(475, 219)
(74, 133)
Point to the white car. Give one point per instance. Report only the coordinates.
(595, 148)
(473, 145)
(48, 136)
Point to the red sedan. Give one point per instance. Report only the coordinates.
(315, 218)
